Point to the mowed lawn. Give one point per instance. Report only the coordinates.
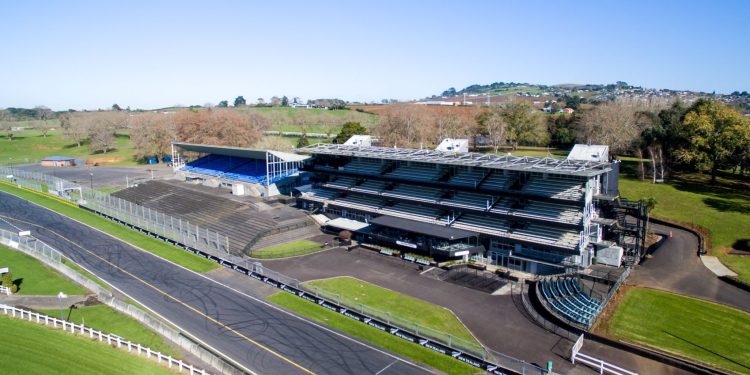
(108, 320)
(289, 249)
(353, 292)
(412, 351)
(32, 349)
(29, 146)
(159, 248)
(723, 210)
(705, 331)
(33, 277)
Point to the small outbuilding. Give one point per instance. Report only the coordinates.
(58, 161)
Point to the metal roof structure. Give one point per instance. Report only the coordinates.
(434, 230)
(584, 168)
(239, 152)
(58, 158)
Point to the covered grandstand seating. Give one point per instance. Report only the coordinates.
(479, 223)
(417, 193)
(547, 235)
(341, 182)
(240, 169)
(554, 187)
(417, 172)
(412, 211)
(497, 181)
(566, 297)
(364, 166)
(371, 186)
(361, 202)
(469, 200)
(466, 177)
(550, 211)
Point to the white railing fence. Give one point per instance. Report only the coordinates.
(597, 364)
(110, 339)
(5, 290)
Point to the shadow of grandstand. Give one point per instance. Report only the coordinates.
(473, 278)
(707, 350)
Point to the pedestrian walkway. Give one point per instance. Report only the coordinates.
(714, 265)
(41, 302)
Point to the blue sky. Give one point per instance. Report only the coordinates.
(150, 54)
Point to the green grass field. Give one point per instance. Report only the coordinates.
(289, 249)
(28, 348)
(723, 210)
(29, 146)
(106, 319)
(33, 277)
(162, 249)
(372, 335)
(354, 292)
(316, 120)
(704, 331)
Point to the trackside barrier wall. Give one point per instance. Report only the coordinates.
(442, 342)
(52, 258)
(598, 364)
(112, 340)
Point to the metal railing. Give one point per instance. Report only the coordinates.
(540, 320)
(5, 290)
(29, 245)
(110, 339)
(175, 229)
(598, 364)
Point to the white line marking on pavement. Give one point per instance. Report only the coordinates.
(386, 367)
(427, 270)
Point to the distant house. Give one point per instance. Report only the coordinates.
(58, 161)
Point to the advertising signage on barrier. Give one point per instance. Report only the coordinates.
(372, 322)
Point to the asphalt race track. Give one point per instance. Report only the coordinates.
(260, 337)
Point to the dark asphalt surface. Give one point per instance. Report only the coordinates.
(104, 176)
(310, 346)
(676, 267)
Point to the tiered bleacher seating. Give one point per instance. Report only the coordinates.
(496, 181)
(370, 186)
(502, 206)
(361, 202)
(469, 200)
(479, 223)
(364, 166)
(550, 211)
(321, 195)
(470, 178)
(341, 182)
(416, 172)
(412, 211)
(416, 193)
(547, 235)
(566, 297)
(555, 188)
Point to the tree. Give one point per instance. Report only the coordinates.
(6, 124)
(525, 124)
(102, 137)
(116, 107)
(303, 141)
(348, 130)
(493, 127)
(613, 124)
(284, 101)
(223, 104)
(152, 134)
(239, 101)
(75, 126)
(223, 128)
(715, 134)
(261, 101)
(42, 114)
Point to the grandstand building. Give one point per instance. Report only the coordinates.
(527, 213)
(246, 171)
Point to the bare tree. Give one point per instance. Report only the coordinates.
(42, 114)
(76, 127)
(493, 126)
(7, 124)
(220, 127)
(102, 136)
(152, 133)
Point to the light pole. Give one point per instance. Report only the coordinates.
(60, 297)
(91, 175)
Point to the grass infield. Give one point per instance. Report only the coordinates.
(414, 352)
(106, 319)
(28, 348)
(707, 332)
(353, 292)
(34, 278)
(159, 248)
(289, 249)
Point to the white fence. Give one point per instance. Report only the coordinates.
(5, 290)
(112, 340)
(598, 364)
